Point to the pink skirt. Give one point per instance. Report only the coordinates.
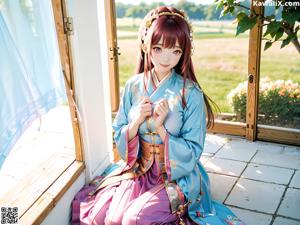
(141, 200)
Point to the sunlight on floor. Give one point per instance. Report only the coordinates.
(46, 137)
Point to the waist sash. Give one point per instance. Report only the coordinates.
(149, 152)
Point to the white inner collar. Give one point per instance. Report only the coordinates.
(156, 81)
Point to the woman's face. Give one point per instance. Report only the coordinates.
(164, 59)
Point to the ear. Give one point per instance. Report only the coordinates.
(144, 48)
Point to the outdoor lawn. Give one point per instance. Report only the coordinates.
(220, 58)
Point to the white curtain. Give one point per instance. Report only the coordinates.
(31, 80)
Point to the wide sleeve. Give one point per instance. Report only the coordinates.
(127, 150)
(183, 152)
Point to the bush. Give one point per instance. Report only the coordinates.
(279, 101)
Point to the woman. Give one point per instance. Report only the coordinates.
(159, 132)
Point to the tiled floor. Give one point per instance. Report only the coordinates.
(260, 180)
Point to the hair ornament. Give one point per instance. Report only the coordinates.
(155, 16)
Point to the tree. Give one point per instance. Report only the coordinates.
(277, 26)
(213, 14)
(190, 9)
(194, 11)
(137, 11)
(120, 10)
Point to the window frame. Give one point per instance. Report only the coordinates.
(250, 129)
(60, 16)
(111, 23)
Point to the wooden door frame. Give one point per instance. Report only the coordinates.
(113, 53)
(63, 25)
(254, 59)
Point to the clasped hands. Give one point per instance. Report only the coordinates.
(159, 113)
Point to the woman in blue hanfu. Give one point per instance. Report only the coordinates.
(160, 131)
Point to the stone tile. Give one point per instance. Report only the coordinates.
(219, 192)
(229, 137)
(292, 151)
(252, 218)
(290, 204)
(213, 143)
(269, 147)
(204, 159)
(238, 150)
(225, 166)
(280, 160)
(283, 221)
(256, 195)
(268, 173)
(207, 154)
(296, 180)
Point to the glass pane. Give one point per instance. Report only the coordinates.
(279, 98)
(221, 63)
(219, 58)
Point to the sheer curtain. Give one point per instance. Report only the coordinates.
(31, 80)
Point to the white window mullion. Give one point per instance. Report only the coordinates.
(90, 60)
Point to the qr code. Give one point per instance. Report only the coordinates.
(9, 215)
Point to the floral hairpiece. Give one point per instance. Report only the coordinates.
(155, 16)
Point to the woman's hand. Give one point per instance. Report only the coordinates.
(143, 110)
(160, 112)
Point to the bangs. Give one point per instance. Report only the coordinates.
(170, 32)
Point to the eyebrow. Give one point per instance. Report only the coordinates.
(176, 46)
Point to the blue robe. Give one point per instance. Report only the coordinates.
(184, 142)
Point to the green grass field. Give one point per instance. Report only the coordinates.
(220, 59)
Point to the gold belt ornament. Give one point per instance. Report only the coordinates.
(149, 152)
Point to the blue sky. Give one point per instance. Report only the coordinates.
(135, 2)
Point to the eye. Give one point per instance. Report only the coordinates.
(177, 52)
(156, 49)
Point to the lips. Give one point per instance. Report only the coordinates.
(164, 65)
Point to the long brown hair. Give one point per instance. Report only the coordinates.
(171, 28)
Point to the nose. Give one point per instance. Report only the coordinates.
(166, 57)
